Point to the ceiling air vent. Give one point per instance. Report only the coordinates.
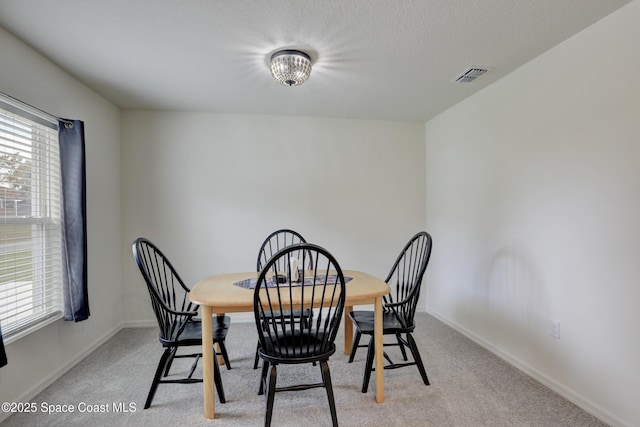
(470, 74)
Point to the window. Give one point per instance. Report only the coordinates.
(30, 221)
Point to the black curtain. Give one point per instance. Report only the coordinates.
(74, 222)
(3, 354)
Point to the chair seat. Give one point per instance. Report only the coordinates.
(365, 320)
(192, 333)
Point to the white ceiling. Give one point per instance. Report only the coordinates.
(372, 59)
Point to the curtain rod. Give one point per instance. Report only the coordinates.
(11, 101)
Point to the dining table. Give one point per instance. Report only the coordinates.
(220, 294)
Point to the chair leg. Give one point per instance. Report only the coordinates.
(368, 365)
(271, 393)
(223, 352)
(401, 345)
(194, 366)
(354, 346)
(156, 378)
(326, 379)
(257, 357)
(170, 361)
(263, 377)
(217, 379)
(417, 358)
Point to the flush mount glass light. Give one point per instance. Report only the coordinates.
(290, 67)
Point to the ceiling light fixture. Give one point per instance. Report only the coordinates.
(290, 67)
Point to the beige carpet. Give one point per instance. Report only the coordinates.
(469, 387)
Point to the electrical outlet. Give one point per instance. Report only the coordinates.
(555, 329)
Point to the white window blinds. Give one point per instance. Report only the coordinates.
(30, 224)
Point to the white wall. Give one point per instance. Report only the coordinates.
(208, 188)
(533, 199)
(39, 358)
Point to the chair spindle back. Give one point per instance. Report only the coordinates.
(405, 278)
(169, 295)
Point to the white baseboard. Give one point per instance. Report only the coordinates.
(235, 317)
(569, 394)
(139, 324)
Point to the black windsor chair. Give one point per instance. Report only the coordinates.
(273, 243)
(176, 317)
(405, 278)
(289, 338)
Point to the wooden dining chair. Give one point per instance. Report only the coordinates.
(176, 316)
(399, 308)
(289, 338)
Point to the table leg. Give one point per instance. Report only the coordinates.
(218, 352)
(207, 362)
(377, 331)
(348, 329)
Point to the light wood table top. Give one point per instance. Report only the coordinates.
(216, 292)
